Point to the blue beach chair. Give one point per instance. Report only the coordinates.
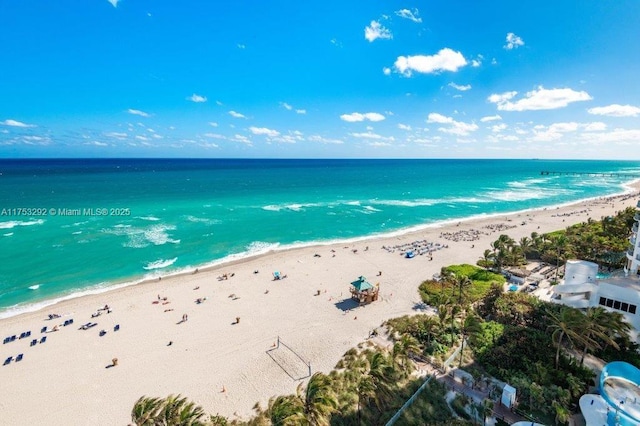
(8, 360)
(44, 329)
(117, 327)
(19, 357)
(44, 339)
(34, 342)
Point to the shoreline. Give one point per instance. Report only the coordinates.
(219, 362)
(235, 258)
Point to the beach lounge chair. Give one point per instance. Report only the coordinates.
(117, 327)
(19, 357)
(8, 360)
(43, 329)
(44, 339)
(91, 324)
(22, 335)
(102, 333)
(13, 338)
(28, 334)
(34, 342)
(6, 340)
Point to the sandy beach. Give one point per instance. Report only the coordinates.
(168, 343)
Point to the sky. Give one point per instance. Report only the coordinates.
(311, 79)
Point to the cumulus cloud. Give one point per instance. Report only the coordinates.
(356, 116)
(15, 123)
(490, 118)
(114, 3)
(236, 114)
(411, 15)
(513, 41)
(264, 131)
(375, 31)
(96, 143)
(455, 127)
(445, 60)
(386, 71)
(538, 99)
(197, 98)
(459, 87)
(404, 127)
(138, 112)
(301, 111)
(286, 106)
(477, 62)
(615, 110)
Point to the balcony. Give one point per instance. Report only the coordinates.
(637, 216)
(632, 240)
(634, 228)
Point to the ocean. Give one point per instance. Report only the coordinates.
(69, 227)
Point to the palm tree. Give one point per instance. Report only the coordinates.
(381, 373)
(145, 411)
(366, 390)
(471, 327)
(604, 326)
(525, 245)
(403, 348)
(285, 411)
(318, 400)
(568, 323)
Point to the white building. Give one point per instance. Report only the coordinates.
(633, 253)
(581, 288)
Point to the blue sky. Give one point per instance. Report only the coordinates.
(373, 79)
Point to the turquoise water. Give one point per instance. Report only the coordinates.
(163, 216)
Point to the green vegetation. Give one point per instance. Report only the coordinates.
(466, 282)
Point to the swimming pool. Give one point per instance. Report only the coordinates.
(513, 288)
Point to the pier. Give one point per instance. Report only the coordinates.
(590, 174)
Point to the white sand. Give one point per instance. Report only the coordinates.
(64, 381)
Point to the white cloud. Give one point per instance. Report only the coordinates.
(376, 31)
(117, 135)
(264, 131)
(14, 123)
(286, 106)
(538, 99)
(596, 126)
(378, 144)
(459, 87)
(213, 124)
(96, 143)
(616, 110)
(445, 60)
(356, 116)
(498, 127)
(490, 118)
(336, 42)
(386, 71)
(301, 111)
(197, 98)
(404, 127)
(513, 41)
(236, 114)
(114, 3)
(322, 139)
(371, 135)
(411, 15)
(242, 138)
(477, 62)
(241, 46)
(215, 136)
(138, 112)
(456, 127)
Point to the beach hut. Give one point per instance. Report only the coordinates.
(363, 291)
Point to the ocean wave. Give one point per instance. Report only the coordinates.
(525, 194)
(406, 203)
(159, 264)
(34, 287)
(13, 223)
(8, 234)
(76, 233)
(148, 218)
(204, 220)
(142, 237)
